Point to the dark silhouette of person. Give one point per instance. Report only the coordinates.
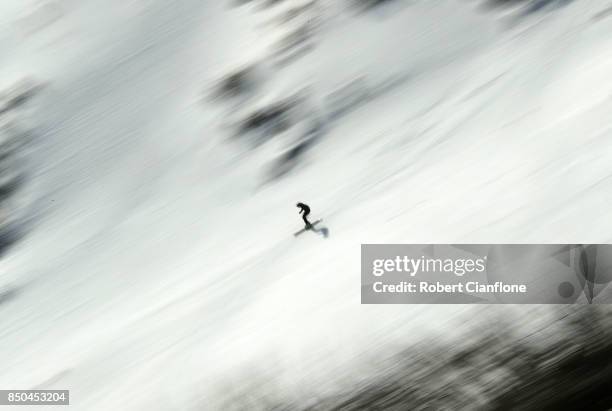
(304, 210)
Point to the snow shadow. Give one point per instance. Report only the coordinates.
(324, 231)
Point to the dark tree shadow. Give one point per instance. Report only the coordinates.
(13, 176)
(289, 160)
(8, 294)
(531, 6)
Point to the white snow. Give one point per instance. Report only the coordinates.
(161, 273)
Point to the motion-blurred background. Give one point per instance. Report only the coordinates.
(152, 152)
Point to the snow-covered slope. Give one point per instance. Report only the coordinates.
(159, 270)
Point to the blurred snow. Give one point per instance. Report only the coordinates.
(161, 262)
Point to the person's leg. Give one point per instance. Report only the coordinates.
(306, 219)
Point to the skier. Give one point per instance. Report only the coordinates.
(306, 210)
